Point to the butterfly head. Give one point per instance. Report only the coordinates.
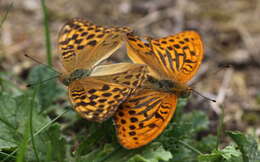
(179, 89)
(75, 75)
(185, 92)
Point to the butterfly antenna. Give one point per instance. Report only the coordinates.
(207, 98)
(33, 84)
(26, 55)
(48, 66)
(222, 67)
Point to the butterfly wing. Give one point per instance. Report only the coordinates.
(179, 55)
(96, 100)
(143, 117)
(98, 96)
(175, 57)
(131, 75)
(141, 53)
(82, 44)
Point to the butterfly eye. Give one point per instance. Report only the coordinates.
(185, 94)
(146, 39)
(66, 81)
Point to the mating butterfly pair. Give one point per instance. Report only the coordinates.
(141, 97)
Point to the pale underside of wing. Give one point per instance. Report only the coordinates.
(96, 100)
(83, 44)
(111, 69)
(179, 55)
(143, 117)
(131, 75)
(141, 53)
(127, 74)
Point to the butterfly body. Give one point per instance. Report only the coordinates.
(75, 75)
(169, 86)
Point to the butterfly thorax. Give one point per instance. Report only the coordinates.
(75, 75)
(179, 89)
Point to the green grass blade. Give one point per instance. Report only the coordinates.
(47, 32)
(190, 147)
(31, 124)
(23, 146)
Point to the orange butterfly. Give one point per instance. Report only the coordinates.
(96, 92)
(172, 61)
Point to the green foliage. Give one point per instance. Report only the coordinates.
(28, 133)
(228, 154)
(110, 153)
(207, 143)
(181, 134)
(181, 139)
(14, 117)
(246, 149)
(247, 145)
(152, 153)
(48, 90)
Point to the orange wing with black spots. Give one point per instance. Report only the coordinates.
(175, 57)
(97, 100)
(141, 52)
(143, 117)
(83, 45)
(180, 55)
(98, 96)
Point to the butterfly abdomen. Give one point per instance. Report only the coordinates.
(168, 86)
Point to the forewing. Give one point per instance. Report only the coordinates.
(96, 100)
(143, 117)
(82, 44)
(179, 55)
(141, 53)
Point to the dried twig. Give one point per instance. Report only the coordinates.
(222, 91)
(147, 20)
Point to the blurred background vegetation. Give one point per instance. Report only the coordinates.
(231, 33)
